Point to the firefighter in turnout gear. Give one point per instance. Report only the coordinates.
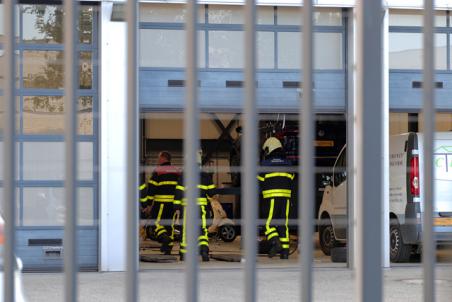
(161, 190)
(206, 191)
(275, 187)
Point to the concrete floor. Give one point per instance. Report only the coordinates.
(226, 284)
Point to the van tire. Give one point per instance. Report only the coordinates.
(399, 252)
(327, 239)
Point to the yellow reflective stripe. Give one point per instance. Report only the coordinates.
(168, 182)
(153, 182)
(177, 202)
(272, 235)
(260, 178)
(159, 216)
(143, 186)
(285, 246)
(270, 230)
(204, 223)
(164, 200)
(270, 217)
(161, 232)
(203, 237)
(182, 188)
(206, 187)
(144, 199)
(284, 239)
(277, 191)
(164, 196)
(276, 195)
(203, 243)
(287, 219)
(150, 197)
(280, 174)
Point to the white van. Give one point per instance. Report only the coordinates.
(406, 196)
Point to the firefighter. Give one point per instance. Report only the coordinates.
(276, 186)
(145, 203)
(206, 191)
(161, 189)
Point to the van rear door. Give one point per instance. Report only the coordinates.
(442, 162)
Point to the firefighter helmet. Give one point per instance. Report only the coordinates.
(270, 145)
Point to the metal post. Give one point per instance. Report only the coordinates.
(249, 155)
(9, 152)
(70, 133)
(132, 154)
(191, 145)
(306, 147)
(428, 246)
(370, 151)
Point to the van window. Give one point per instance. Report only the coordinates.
(340, 169)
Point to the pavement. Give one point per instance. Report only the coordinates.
(227, 284)
(277, 280)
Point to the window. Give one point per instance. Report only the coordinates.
(221, 37)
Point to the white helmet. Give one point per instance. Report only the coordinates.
(270, 145)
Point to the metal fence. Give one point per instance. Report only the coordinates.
(369, 173)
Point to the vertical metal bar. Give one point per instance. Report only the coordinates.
(70, 134)
(306, 147)
(370, 154)
(9, 152)
(191, 145)
(249, 155)
(428, 246)
(132, 153)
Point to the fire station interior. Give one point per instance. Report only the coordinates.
(220, 139)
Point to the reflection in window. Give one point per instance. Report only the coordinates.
(171, 13)
(405, 51)
(226, 49)
(44, 69)
(322, 16)
(403, 17)
(44, 24)
(44, 206)
(166, 48)
(45, 115)
(226, 14)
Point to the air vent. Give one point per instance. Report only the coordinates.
(176, 83)
(45, 242)
(291, 84)
(234, 84)
(418, 84)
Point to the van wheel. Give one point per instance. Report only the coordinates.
(399, 252)
(227, 233)
(326, 239)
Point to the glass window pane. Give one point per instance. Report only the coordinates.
(45, 115)
(226, 49)
(86, 24)
(85, 206)
(265, 50)
(265, 15)
(225, 14)
(400, 17)
(166, 48)
(175, 13)
(405, 51)
(328, 51)
(328, 16)
(86, 70)
(44, 206)
(322, 16)
(289, 50)
(42, 24)
(1, 162)
(44, 69)
(45, 160)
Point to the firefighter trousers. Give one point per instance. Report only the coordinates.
(203, 238)
(163, 216)
(275, 212)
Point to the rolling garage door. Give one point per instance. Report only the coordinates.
(40, 147)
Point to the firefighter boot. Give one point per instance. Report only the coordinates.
(166, 247)
(275, 247)
(284, 254)
(204, 251)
